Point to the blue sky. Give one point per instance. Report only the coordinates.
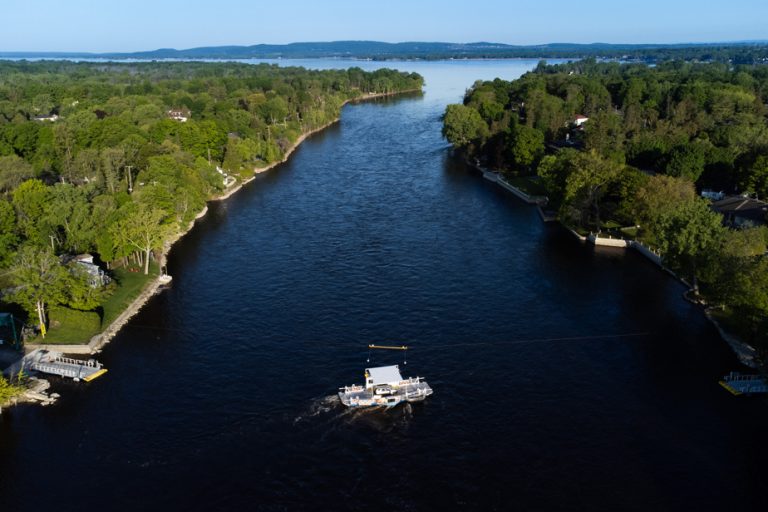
(130, 25)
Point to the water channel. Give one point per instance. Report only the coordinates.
(565, 377)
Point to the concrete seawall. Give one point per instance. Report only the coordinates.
(744, 352)
(608, 242)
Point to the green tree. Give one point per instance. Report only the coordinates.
(143, 229)
(8, 391)
(9, 238)
(112, 162)
(658, 198)
(525, 146)
(686, 161)
(604, 133)
(463, 126)
(756, 180)
(688, 235)
(30, 200)
(13, 172)
(586, 187)
(40, 280)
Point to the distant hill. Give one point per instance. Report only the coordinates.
(740, 52)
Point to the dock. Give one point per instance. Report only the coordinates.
(743, 384)
(54, 363)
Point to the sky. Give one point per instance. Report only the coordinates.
(136, 25)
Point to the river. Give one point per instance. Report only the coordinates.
(566, 377)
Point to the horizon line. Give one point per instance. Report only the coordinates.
(511, 45)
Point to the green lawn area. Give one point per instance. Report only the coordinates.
(68, 326)
(630, 232)
(611, 224)
(528, 184)
(78, 327)
(129, 286)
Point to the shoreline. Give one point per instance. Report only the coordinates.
(304, 136)
(744, 352)
(98, 341)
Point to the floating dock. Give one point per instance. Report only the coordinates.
(741, 384)
(55, 363)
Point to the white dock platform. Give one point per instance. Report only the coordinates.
(54, 363)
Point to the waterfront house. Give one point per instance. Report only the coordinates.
(742, 212)
(179, 114)
(96, 276)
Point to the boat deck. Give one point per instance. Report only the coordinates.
(410, 390)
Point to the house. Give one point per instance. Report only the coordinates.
(50, 118)
(97, 277)
(579, 120)
(181, 114)
(228, 180)
(742, 212)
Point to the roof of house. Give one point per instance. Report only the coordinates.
(580, 117)
(384, 375)
(745, 207)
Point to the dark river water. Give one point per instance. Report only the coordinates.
(565, 377)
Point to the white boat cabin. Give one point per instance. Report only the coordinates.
(382, 376)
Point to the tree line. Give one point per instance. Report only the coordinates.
(736, 53)
(115, 158)
(629, 145)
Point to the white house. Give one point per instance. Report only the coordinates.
(181, 115)
(579, 120)
(97, 277)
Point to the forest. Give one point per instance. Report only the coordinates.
(627, 149)
(735, 52)
(116, 159)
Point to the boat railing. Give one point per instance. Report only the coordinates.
(352, 389)
(79, 362)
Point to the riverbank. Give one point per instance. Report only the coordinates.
(303, 137)
(745, 353)
(98, 341)
(36, 388)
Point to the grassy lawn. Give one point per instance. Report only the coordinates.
(630, 232)
(528, 184)
(611, 225)
(68, 326)
(78, 327)
(129, 286)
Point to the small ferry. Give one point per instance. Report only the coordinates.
(384, 386)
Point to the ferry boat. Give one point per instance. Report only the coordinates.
(384, 386)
